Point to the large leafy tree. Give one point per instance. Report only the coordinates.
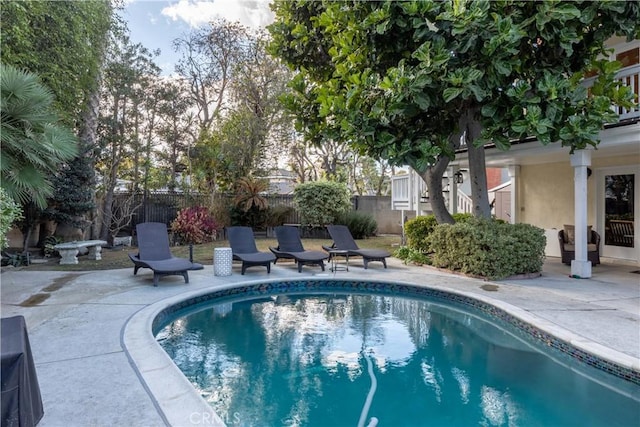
(129, 72)
(259, 80)
(209, 57)
(175, 126)
(63, 42)
(252, 132)
(410, 81)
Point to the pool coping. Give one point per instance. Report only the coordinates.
(179, 403)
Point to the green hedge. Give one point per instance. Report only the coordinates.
(321, 202)
(419, 229)
(488, 248)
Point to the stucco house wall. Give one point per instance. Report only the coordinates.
(546, 195)
(546, 191)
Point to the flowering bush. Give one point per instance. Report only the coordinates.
(195, 225)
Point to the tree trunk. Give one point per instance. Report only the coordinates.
(107, 214)
(432, 176)
(30, 217)
(477, 167)
(89, 141)
(478, 177)
(107, 205)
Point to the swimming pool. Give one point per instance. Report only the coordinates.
(438, 358)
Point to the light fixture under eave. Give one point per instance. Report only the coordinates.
(458, 178)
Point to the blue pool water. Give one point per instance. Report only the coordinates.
(311, 360)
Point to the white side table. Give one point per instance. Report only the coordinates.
(222, 260)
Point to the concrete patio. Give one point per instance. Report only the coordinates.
(82, 326)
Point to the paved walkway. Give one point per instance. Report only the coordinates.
(78, 324)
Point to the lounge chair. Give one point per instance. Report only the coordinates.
(343, 241)
(290, 247)
(243, 246)
(154, 253)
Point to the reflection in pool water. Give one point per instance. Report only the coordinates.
(301, 360)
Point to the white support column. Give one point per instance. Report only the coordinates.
(415, 191)
(580, 160)
(514, 175)
(453, 190)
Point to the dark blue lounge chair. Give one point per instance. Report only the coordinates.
(243, 247)
(154, 253)
(290, 247)
(343, 241)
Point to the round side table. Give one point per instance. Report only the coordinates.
(333, 256)
(222, 260)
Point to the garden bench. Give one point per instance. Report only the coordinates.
(69, 251)
(620, 233)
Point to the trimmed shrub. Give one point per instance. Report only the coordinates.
(462, 217)
(194, 225)
(488, 248)
(360, 224)
(526, 247)
(321, 202)
(420, 228)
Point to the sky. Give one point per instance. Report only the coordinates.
(156, 23)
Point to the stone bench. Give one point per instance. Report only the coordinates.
(69, 251)
(122, 241)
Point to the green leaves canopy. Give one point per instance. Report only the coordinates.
(62, 42)
(321, 202)
(395, 78)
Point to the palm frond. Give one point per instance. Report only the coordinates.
(34, 146)
(250, 192)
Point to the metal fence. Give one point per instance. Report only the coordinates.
(164, 206)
